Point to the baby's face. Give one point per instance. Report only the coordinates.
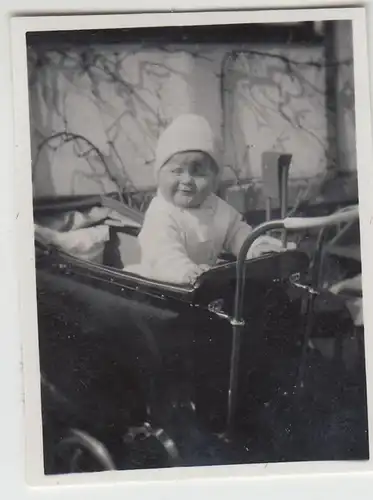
(187, 179)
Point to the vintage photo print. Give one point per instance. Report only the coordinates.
(192, 187)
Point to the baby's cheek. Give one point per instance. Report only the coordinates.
(205, 188)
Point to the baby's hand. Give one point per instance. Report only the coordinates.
(267, 244)
(192, 277)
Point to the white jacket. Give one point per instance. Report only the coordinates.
(177, 244)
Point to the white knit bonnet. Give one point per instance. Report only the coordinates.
(186, 133)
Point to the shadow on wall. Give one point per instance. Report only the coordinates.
(96, 111)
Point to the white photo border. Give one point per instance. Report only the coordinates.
(24, 228)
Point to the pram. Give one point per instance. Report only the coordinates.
(139, 374)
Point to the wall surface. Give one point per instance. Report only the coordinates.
(96, 111)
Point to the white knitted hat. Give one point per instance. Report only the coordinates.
(186, 133)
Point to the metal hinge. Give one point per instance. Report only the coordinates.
(216, 307)
(295, 280)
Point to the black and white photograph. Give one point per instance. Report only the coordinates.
(196, 215)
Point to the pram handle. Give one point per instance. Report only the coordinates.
(294, 223)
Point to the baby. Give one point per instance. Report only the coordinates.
(187, 226)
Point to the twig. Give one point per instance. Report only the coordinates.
(68, 137)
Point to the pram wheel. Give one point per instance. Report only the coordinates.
(149, 447)
(80, 452)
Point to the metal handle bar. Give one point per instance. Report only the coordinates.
(242, 257)
(237, 322)
(291, 223)
(347, 215)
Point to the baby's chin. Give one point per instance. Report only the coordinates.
(186, 201)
